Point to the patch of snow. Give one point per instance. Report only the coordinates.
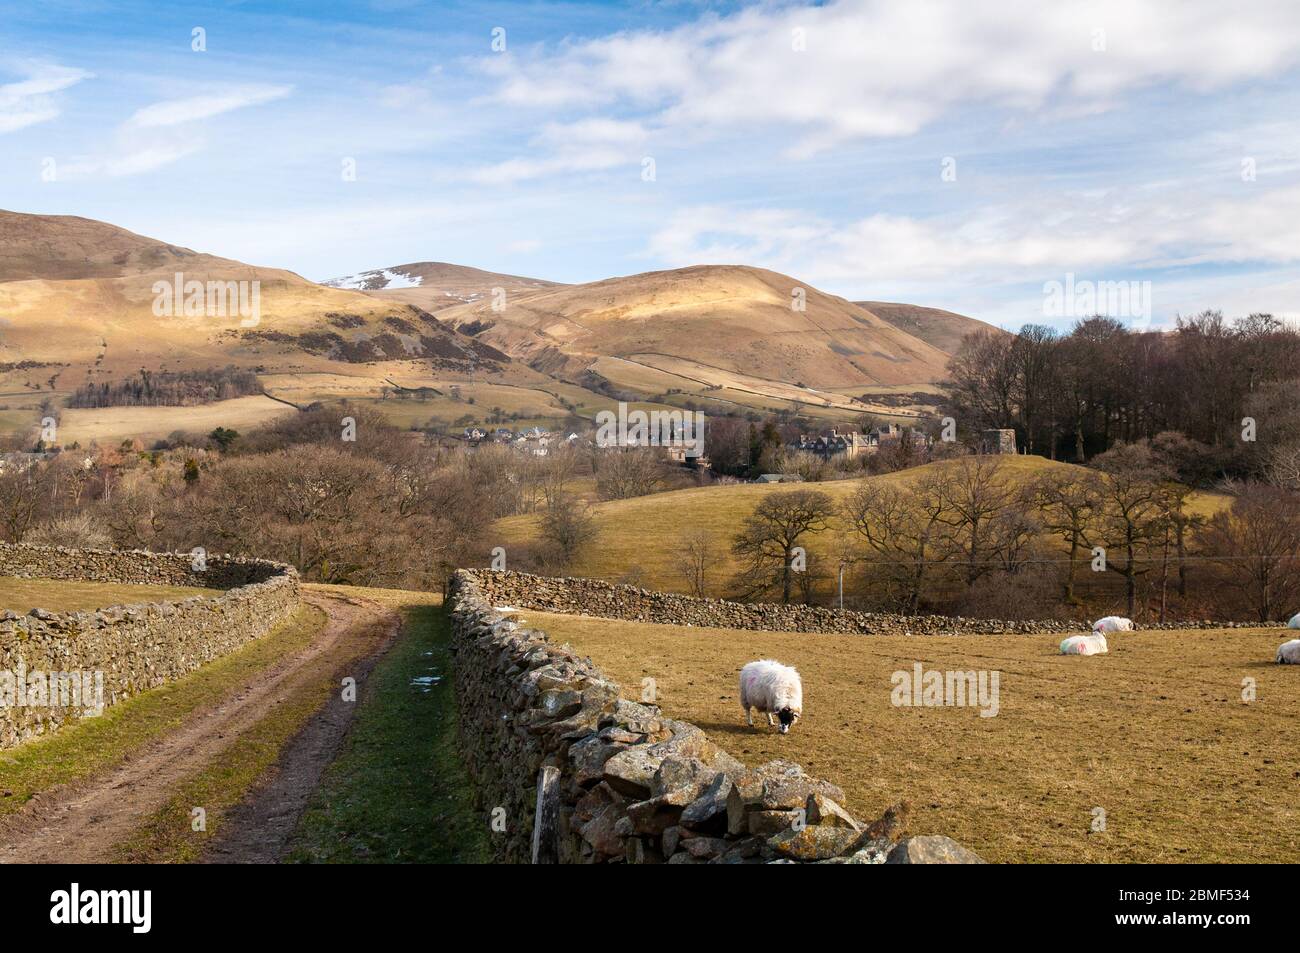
(377, 280)
(394, 279)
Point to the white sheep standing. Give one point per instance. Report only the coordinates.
(1094, 644)
(1113, 623)
(1295, 622)
(1288, 653)
(773, 689)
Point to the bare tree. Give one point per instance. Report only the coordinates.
(904, 529)
(1132, 514)
(1068, 505)
(1257, 543)
(623, 473)
(975, 492)
(24, 497)
(1282, 466)
(567, 527)
(770, 534)
(695, 558)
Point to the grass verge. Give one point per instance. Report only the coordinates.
(398, 793)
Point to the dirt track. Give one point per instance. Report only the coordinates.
(82, 822)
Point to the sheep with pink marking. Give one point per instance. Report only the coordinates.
(1112, 623)
(1094, 644)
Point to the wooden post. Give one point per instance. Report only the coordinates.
(546, 817)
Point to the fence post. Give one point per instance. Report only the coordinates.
(546, 816)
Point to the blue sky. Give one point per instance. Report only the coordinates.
(1115, 141)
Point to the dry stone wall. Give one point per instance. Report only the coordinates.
(574, 773)
(57, 667)
(595, 597)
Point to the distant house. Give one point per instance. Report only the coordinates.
(851, 444)
(998, 441)
(779, 478)
(534, 440)
(682, 456)
(848, 444)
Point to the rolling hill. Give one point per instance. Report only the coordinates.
(84, 296)
(80, 304)
(708, 323)
(936, 327)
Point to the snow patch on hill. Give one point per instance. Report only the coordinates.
(379, 280)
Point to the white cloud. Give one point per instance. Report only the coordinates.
(172, 112)
(31, 100)
(1003, 246)
(876, 68)
(163, 133)
(584, 146)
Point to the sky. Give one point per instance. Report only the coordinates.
(951, 153)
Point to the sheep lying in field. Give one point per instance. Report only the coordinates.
(1094, 644)
(1295, 622)
(1288, 653)
(774, 689)
(1113, 623)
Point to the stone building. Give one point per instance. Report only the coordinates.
(998, 441)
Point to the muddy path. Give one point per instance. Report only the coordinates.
(84, 821)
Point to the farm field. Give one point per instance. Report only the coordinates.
(646, 532)
(532, 400)
(1156, 734)
(58, 595)
(727, 390)
(112, 424)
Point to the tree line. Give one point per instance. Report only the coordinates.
(1074, 395)
(974, 537)
(168, 389)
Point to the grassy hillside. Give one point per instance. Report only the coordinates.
(1155, 734)
(80, 304)
(942, 329)
(646, 532)
(724, 319)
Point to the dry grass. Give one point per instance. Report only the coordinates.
(113, 424)
(1156, 734)
(58, 595)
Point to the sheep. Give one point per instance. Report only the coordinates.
(1295, 622)
(1288, 653)
(1094, 644)
(772, 688)
(1113, 623)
